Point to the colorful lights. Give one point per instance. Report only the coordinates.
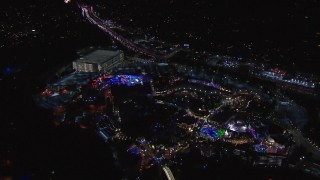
(269, 146)
(212, 132)
(128, 80)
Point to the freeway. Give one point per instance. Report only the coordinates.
(296, 121)
(301, 140)
(87, 11)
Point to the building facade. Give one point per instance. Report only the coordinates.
(99, 61)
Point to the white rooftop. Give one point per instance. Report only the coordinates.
(98, 56)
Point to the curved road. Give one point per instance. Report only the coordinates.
(168, 172)
(87, 11)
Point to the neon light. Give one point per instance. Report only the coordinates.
(128, 80)
(221, 132)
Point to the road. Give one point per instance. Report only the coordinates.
(300, 140)
(87, 11)
(168, 172)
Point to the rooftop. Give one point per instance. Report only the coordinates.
(98, 56)
(76, 79)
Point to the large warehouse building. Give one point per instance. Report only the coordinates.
(98, 61)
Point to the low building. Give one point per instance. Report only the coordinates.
(74, 80)
(99, 61)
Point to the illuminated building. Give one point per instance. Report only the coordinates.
(99, 61)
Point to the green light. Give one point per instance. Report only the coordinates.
(221, 132)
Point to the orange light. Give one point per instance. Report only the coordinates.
(83, 126)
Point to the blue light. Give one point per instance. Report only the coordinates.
(261, 148)
(128, 80)
(135, 151)
(8, 70)
(212, 132)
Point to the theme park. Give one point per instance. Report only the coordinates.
(156, 112)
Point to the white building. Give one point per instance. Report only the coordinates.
(98, 61)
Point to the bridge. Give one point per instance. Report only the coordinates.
(168, 172)
(87, 11)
